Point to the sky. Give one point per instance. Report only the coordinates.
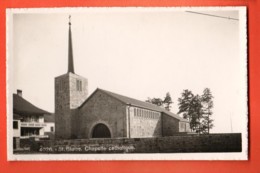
(135, 52)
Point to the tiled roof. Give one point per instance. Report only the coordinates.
(142, 104)
(23, 107)
(17, 117)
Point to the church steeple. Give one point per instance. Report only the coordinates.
(71, 90)
(70, 53)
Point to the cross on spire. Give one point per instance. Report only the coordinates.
(69, 19)
(70, 53)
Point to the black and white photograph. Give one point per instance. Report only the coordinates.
(127, 83)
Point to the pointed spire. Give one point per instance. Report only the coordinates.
(70, 53)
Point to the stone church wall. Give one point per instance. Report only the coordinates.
(144, 123)
(102, 108)
(68, 96)
(75, 119)
(62, 107)
(170, 125)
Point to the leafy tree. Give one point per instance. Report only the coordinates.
(165, 103)
(197, 109)
(190, 107)
(185, 104)
(156, 101)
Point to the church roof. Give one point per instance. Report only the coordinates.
(23, 107)
(138, 103)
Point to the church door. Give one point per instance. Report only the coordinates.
(101, 131)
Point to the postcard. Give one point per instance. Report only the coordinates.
(127, 83)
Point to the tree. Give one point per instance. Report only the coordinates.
(155, 101)
(185, 104)
(196, 113)
(190, 107)
(207, 102)
(165, 103)
(197, 109)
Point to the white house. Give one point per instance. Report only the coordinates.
(29, 121)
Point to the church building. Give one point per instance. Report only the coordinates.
(105, 114)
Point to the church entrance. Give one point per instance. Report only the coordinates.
(101, 131)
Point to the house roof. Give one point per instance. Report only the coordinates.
(23, 107)
(137, 103)
(17, 117)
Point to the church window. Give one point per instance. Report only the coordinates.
(79, 85)
(135, 112)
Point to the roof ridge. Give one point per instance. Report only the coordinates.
(129, 98)
(153, 106)
(134, 102)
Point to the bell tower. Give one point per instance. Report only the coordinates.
(71, 90)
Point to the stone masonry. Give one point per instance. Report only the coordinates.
(101, 108)
(67, 98)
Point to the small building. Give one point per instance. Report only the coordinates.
(28, 120)
(105, 114)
